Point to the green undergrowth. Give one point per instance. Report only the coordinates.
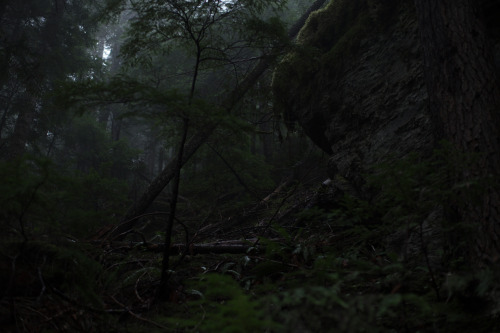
(340, 271)
(64, 267)
(42, 196)
(355, 265)
(51, 285)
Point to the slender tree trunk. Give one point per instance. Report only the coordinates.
(161, 158)
(3, 121)
(163, 290)
(192, 145)
(116, 120)
(23, 128)
(116, 126)
(267, 140)
(150, 151)
(465, 99)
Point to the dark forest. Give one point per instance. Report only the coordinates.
(249, 166)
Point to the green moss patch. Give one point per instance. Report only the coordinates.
(325, 47)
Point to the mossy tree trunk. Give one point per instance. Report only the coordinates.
(465, 101)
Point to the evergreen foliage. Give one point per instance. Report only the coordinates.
(226, 308)
(82, 136)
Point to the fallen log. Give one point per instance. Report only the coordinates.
(229, 247)
(207, 248)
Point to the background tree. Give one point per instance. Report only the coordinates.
(71, 166)
(43, 42)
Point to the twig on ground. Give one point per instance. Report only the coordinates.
(138, 316)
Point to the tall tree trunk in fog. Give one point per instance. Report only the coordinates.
(195, 142)
(465, 100)
(151, 154)
(267, 139)
(23, 128)
(116, 126)
(6, 102)
(116, 120)
(161, 158)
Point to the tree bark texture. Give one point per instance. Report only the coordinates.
(465, 100)
(162, 180)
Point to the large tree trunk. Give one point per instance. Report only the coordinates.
(162, 180)
(465, 99)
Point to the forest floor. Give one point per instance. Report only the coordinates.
(290, 263)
